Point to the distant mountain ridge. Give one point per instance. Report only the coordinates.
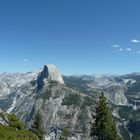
(68, 101)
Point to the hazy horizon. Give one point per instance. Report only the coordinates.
(69, 74)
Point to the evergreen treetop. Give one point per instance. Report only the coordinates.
(104, 127)
(37, 127)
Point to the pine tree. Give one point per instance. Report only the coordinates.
(37, 127)
(104, 127)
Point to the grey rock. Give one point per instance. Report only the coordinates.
(50, 73)
(3, 118)
(69, 104)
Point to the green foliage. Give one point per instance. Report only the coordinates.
(47, 94)
(33, 83)
(65, 134)
(76, 83)
(8, 133)
(135, 114)
(72, 99)
(124, 133)
(2, 115)
(37, 127)
(82, 116)
(88, 101)
(104, 126)
(15, 130)
(15, 122)
(125, 112)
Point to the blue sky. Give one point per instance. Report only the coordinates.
(78, 36)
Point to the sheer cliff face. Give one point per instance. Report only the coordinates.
(49, 73)
(53, 73)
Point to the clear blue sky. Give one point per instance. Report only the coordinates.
(78, 36)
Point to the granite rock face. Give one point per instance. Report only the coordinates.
(3, 119)
(54, 74)
(69, 104)
(61, 107)
(4, 90)
(49, 73)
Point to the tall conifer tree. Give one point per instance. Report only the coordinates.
(37, 127)
(104, 127)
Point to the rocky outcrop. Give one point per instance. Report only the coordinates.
(49, 73)
(61, 108)
(3, 118)
(116, 95)
(4, 89)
